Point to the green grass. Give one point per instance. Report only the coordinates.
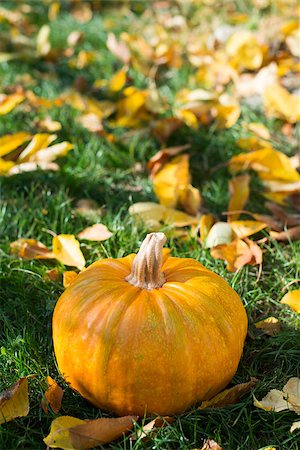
(33, 203)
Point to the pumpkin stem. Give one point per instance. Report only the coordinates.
(146, 268)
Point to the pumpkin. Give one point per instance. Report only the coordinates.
(148, 333)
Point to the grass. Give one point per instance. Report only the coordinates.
(33, 203)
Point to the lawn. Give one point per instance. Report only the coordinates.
(110, 168)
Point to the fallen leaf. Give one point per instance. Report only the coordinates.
(43, 45)
(291, 391)
(228, 111)
(162, 156)
(68, 277)
(273, 401)
(53, 396)
(269, 163)
(118, 48)
(244, 50)
(70, 433)
(219, 233)
(67, 250)
(91, 122)
(52, 274)
(155, 215)
(210, 444)
(292, 299)
(96, 232)
(238, 253)
(165, 127)
(49, 154)
(11, 142)
(270, 326)
(82, 12)
(280, 103)
(32, 166)
(14, 401)
(206, 222)
(292, 234)
(49, 125)
(229, 396)
(151, 428)
(9, 102)
(191, 201)
(118, 81)
(239, 194)
(38, 142)
(170, 183)
(295, 426)
(31, 249)
(245, 228)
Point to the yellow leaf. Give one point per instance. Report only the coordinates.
(70, 433)
(229, 396)
(245, 228)
(292, 299)
(5, 166)
(11, 142)
(49, 125)
(49, 154)
(53, 396)
(38, 142)
(43, 46)
(219, 233)
(67, 250)
(118, 80)
(228, 111)
(191, 200)
(245, 50)
(239, 194)
(238, 253)
(171, 182)
(9, 102)
(269, 163)
(270, 326)
(96, 232)
(130, 108)
(59, 436)
(188, 117)
(280, 103)
(206, 222)
(31, 249)
(155, 215)
(68, 277)
(14, 401)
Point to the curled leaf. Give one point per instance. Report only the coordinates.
(220, 233)
(229, 396)
(14, 401)
(239, 194)
(31, 249)
(270, 326)
(53, 396)
(67, 250)
(155, 215)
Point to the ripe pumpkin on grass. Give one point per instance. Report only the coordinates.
(148, 333)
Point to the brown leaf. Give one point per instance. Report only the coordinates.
(210, 444)
(31, 249)
(151, 428)
(82, 12)
(229, 396)
(292, 234)
(100, 431)
(118, 48)
(52, 274)
(53, 396)
(96, 232)
(270, 326)
(164, 128)
(14, 401)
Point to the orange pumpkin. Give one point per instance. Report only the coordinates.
(148, 333)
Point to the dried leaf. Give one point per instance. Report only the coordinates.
(269, 163)
(155, 215)
(96, 232)
(68, 277)
(11, 142)
(206, 222)
(245, 50)
(295, 426)
(292, 234)
(220, 233)
(118, 48)
(210, 444)
(67, 250)
(273, 401)
(270, 326)
(31, 249)
(280, 103)
(52, 274)
(118, 80)
(164, 128)
(14, 401)
(239, 194)
(32, 166)
(292, 299)
(191, 200)
(53, 396)
(229, 396)
(238, 253)
(49, 125)
(162, 156)
(43, 45)
(245, 228)
(151, 428)
(82, 12)
(38, 142)
(70, 433)
(9, 102)
(49, 154)
(171, 182)
(291, 392)
(91, 122)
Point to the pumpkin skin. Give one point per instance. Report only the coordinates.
(139, 351)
